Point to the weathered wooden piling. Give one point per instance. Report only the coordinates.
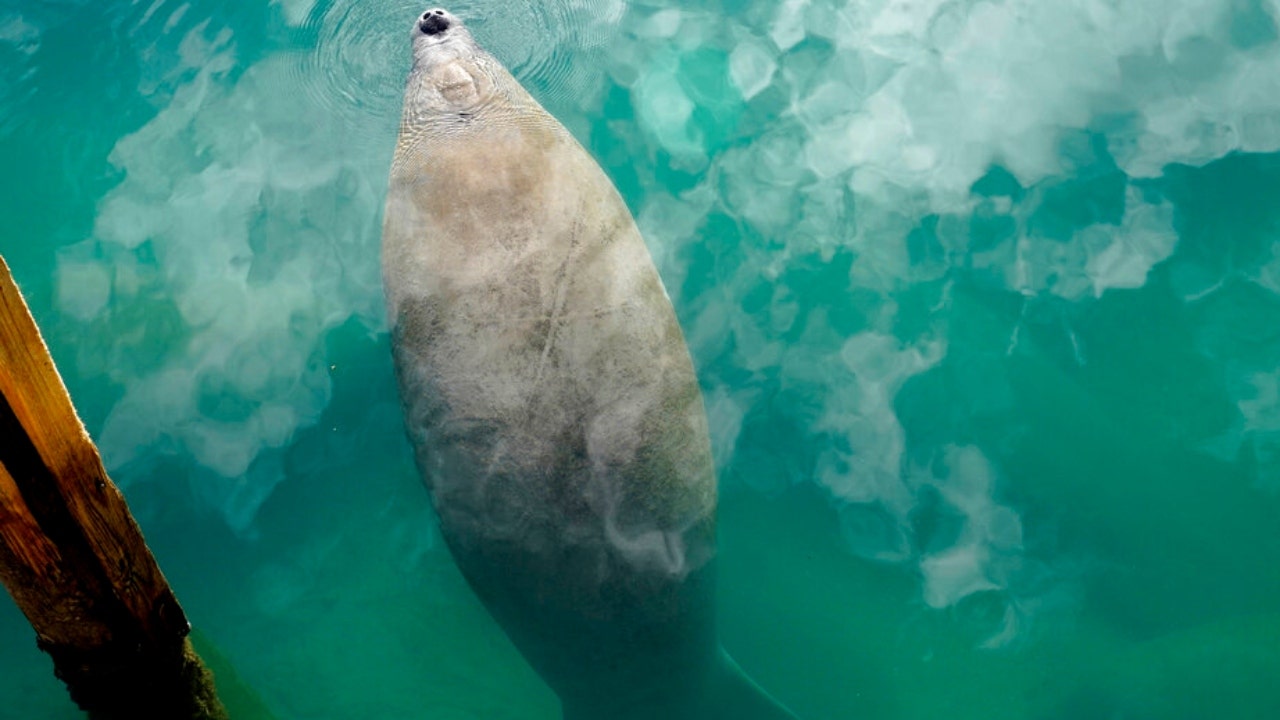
(72, 556)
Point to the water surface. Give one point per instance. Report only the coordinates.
(984, 298)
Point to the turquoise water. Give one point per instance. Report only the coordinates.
(984, 298)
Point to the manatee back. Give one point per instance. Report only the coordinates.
(549, 394)
(531, 326)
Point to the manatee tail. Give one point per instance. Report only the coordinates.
(735, 696)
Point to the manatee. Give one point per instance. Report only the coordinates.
(550, 398)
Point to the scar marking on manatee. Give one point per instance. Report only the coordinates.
(562, 285)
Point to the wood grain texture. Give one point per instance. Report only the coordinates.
(71, 554)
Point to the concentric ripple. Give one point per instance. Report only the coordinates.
(357, 67)
(361, 55)
(548, 45)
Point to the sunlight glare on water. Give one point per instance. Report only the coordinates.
(984, 299)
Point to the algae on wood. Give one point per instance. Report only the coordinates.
(72, 556)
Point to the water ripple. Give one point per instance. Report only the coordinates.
(360, 58)
(548, 45)
(361, 55)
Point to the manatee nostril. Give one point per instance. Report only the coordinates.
(433, 22)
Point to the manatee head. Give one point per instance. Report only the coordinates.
(449, 73)
(439, 36)
(453, 79)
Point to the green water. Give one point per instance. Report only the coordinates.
(984, 298)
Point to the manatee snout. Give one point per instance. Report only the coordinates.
(434, 22)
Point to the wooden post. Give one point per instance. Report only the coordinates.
(72, 556)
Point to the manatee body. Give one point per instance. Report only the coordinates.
(550, 398)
